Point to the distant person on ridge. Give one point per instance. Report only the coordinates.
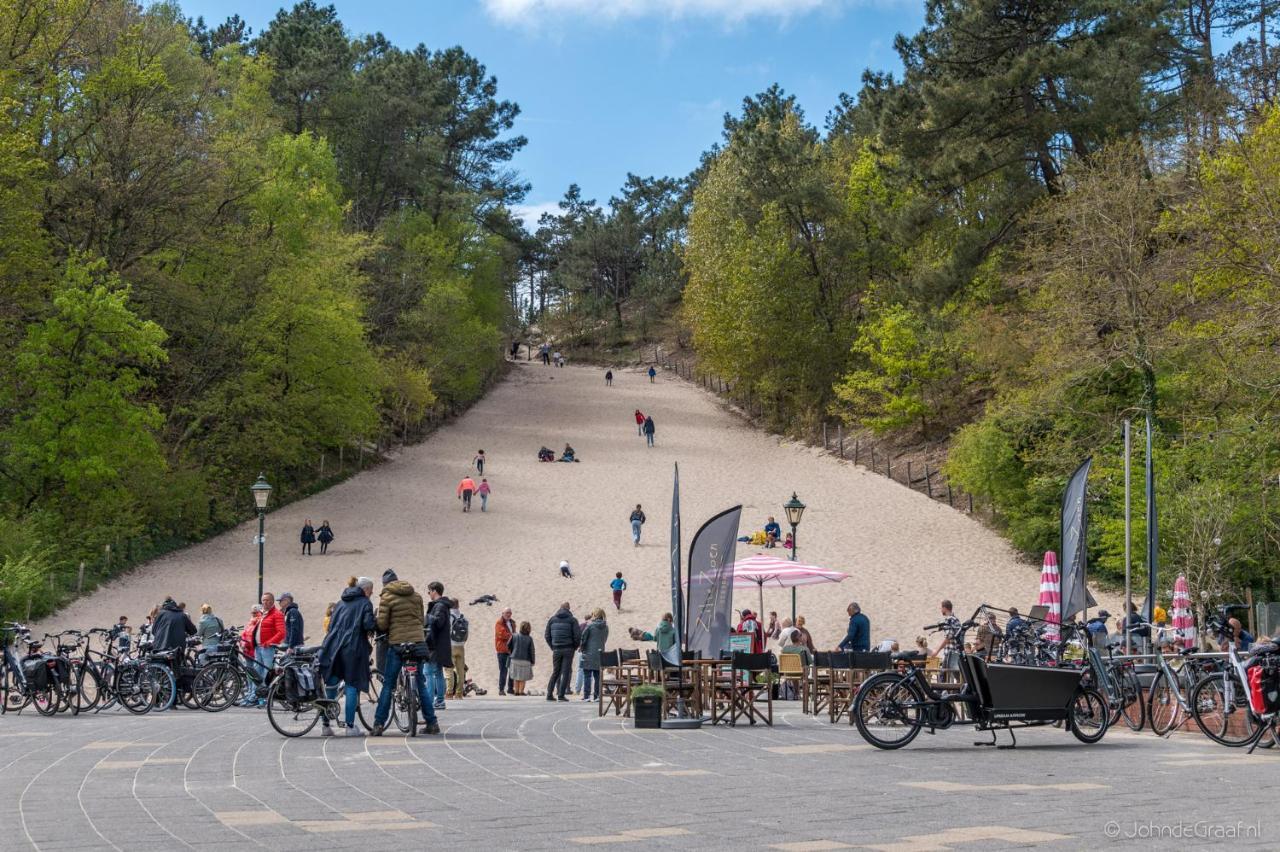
(652, 374)
(308, 537)
(648, 430)
(466, 488)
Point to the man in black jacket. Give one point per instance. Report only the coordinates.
(564, 635)
(171, 628)
(293, 625)
(441, 656)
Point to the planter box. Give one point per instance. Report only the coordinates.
(647, 711)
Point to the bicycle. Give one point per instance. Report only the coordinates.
(1222, 710)
(405, 701)
(1118, 682)
(295, 701)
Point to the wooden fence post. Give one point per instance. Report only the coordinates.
(80, 579)
(970, 504)
(840, 437)
(909, 473)
(824, 434)
(950, 502)
(888, 465)
(856, 443)
(928, 479)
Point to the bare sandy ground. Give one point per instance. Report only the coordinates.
(904, 552)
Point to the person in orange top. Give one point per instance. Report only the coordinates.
(502, 633)
(466, 488)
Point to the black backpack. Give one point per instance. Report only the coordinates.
(459, 629)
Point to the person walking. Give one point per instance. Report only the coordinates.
(522, 658)
(293, 624)
(608, 378)
(648, 429)
(459, 631)
(504, 630)
(308, 537)
(639, 423)
(563, 636)
(324, 535)
(858, 636)
(653, 372)
(209, 629)
(344, 654)
(267, 635)
(478, 461)
(466, 488)
(400, 616)
(564, 569)
(637, 521)
(483, 491)
(594, 638)
(441, 656)
(618, 585)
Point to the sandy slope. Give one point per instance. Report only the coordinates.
(904, 551)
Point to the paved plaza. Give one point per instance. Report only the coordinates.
(526, 774)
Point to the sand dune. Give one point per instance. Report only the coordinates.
(903, 550)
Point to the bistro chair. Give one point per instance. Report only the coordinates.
(628, 655)
(747, 686)
(615, 685)
(842, 685)
(819, 692)
(673, 680)
(791, 672)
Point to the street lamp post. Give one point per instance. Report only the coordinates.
(795, 510)
(261, 491)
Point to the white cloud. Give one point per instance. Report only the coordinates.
(530, 213)
(532, 11)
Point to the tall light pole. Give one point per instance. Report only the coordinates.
(261, 491)
(795, 510)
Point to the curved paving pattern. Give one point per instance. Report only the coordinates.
(533, 775)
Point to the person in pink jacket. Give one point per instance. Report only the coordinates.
(483, 492)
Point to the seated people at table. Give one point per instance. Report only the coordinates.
(1015, 623)
(568, 454)
(546, 455)
(805, 637)
(1097, 629)
(858, 637)
(794, 647)
(888, 646)
(772, 532)
(1236, 635)
(989, 636)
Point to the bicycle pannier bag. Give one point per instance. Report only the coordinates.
(35, 672)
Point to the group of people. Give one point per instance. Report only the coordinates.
(644, 426)
(310, 535)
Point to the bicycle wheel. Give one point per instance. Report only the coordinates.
(14, 696)
(1088, 715)
(46, 700)
(369, 702)
(290, 718)
(88, 690)
(887, 710)
(216, 687)
(1133, 709)
(409, 688)
(160, 686)
(399, 706)
(1163, 705)
(106, 686)
(1225, 721)
(131, 688)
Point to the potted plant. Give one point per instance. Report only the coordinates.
(646, 705)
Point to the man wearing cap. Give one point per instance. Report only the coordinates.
(293, 625)
(400, 617)
(503, 630)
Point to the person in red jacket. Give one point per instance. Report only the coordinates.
(502, 633)
(466, 488)
(267, 635)
(640, 423)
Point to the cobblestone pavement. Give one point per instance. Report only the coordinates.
(511, 773)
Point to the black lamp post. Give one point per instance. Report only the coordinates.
(261, 491)
(795, 510)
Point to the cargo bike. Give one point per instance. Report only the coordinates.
(892, 708)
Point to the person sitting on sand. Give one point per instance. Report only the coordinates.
(772, 532)
(789, 542)
(546, 454)
(564, 569)
(568, 455)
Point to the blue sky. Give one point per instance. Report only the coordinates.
(612, 86)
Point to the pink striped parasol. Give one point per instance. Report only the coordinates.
(1182, 620)
(1051, 594)
(760, 570)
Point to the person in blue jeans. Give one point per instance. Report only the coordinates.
(344, 654)
(648, 430)
(438, 640)
(637, 521)
(426, 700)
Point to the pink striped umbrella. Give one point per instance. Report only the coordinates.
(1051, 594)
(1182, 620)
(760, 570)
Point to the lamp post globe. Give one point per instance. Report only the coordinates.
(794, 510)
(261, 492)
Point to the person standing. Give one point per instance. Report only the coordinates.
(171, 629)
(459, 630)
(751, 624)
(948, 649)
(441, 656)
(344, 654)
(466, 488)
(618, 585)
(652, 374)
(608, 378)
(484, 491)
(594, 638)
(522, 658)
(247, 643)
(293, 624)
(209, 629)
(267, 635)
(637, 521)
(639, 423)
(503, 632)
(479, 462)
(858, 636)
(308, 537)
(648, 429)
(400, 616)
(324, 535)
(564, 637)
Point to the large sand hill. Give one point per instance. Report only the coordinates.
(903, 551)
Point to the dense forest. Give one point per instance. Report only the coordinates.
(225, 253)
(1057, 216)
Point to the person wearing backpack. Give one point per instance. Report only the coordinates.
(459, 630)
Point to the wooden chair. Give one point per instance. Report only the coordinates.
(819, 692)
(627, 655)
(615, 685)
(842, 685)
(746, 685)
(675, 681)
(791, 670)
(863, 665)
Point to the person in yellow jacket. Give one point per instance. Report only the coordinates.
(1160, 616)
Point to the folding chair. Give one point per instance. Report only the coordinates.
(736, 696)
(842, 686)
(675, 685)
(819, 683)
(615, 685)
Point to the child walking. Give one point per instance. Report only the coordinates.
(483, 492)
(619, 586)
